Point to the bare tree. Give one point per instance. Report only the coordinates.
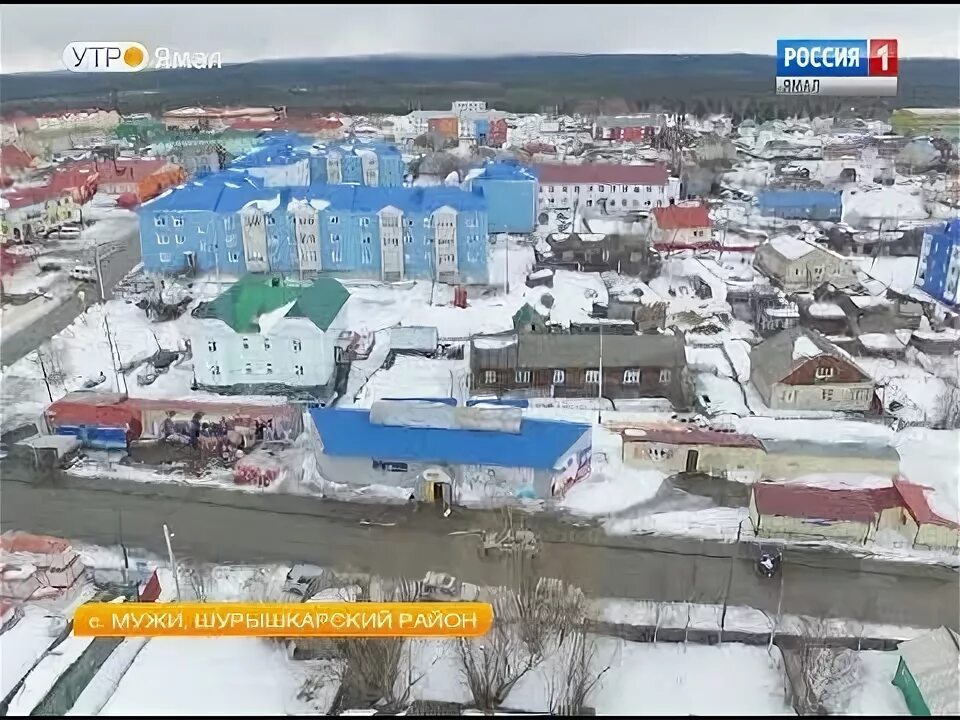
(946, 412)
(198, 578)
(824, 674)
(576, 676)
(379, 671)
(492, 665)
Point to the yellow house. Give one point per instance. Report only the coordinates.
(674, 448)
(814, 513)
(925, 527)
(793, 458)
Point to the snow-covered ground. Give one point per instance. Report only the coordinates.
(872, 691)
(25, 643)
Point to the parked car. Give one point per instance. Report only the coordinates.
(84, 273)
(50, 264)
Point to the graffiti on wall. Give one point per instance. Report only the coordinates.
(576, 467)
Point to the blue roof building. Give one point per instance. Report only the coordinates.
(938, 271)
(360, 162)
(510, 190)
(801, 204)
(399, 442)
(237, 222)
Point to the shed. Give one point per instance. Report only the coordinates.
(681, 448)
(792, 458)
(929, 673)
(928, 528)
(420, 340)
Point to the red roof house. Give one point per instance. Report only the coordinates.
(932, 529)
(682, 226)
(785, 510)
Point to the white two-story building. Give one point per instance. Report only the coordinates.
(615, 188)
(263, 331)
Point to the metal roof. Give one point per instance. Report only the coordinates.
(555, 350)
(934, 662)
(773, 359)
(539, 444)
(602, 173)
(815, 503)
(242, 305)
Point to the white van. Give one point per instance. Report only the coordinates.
(84, 273)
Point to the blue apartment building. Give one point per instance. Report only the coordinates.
(801, 204)
(938, 271)
(356, 162)
(510, 190)
(232, 222)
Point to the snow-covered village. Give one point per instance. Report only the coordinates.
(677, 392)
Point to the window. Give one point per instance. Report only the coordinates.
(366, 240)
(576, 189)
(246, 343)
(789, 396)
(178, 222)
(822, 373)
(212, 346)
(298, 369)
(659, 203)
(558, 377)
(214, 370)
(664, 375)
(297, 346)
(659, 454)
(470, 221)
(334, 219)
(179, 239)
(269, 368)
(522, 377)
(159, 221)
(636, 188)
(163, 239)
(364, 222)
(827, 393)
(592, 377)
(233, 257)
(490, 377)
(407, 238)
(599, 188)
(164, 257)
(649, 189)
(266, 343)
(631, 377)
(389, 466)
(623, 188)
(591, 188)
(366, 257)
(248, 369)
(623, 202)
(564, 188)
(589, 203)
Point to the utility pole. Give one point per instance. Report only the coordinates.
(113, 351)
(96, 262)
(173, 561)
(600, 380)
(726, 595)
(46, 380)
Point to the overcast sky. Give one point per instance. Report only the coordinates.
(32, 37)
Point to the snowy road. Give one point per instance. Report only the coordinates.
(114, 268)
(229, 526)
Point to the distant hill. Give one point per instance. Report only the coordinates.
(739, 83)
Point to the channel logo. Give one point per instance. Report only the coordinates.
(838, 67)
(105, 57)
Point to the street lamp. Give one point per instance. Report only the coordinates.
(167, 535)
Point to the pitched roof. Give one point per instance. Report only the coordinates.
(779, 355)
(247, 300)
(602, 173)
(13, 157)
(538, 444)
(678, 217)
(686, 435)
(814, 503)
(934, 662)
(560, 350)
(915, 500)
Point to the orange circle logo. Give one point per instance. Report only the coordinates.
(133, 56)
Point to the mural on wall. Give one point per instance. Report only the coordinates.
(576, 467)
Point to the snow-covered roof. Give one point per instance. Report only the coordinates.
(803, 346)
(934, 662)
(792, 248)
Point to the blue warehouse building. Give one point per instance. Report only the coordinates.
(234, 222)
(801, 204)
(938, 272)
(357, 162)
(510, 190)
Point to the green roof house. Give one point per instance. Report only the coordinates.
(929, 673)
(265, 331)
